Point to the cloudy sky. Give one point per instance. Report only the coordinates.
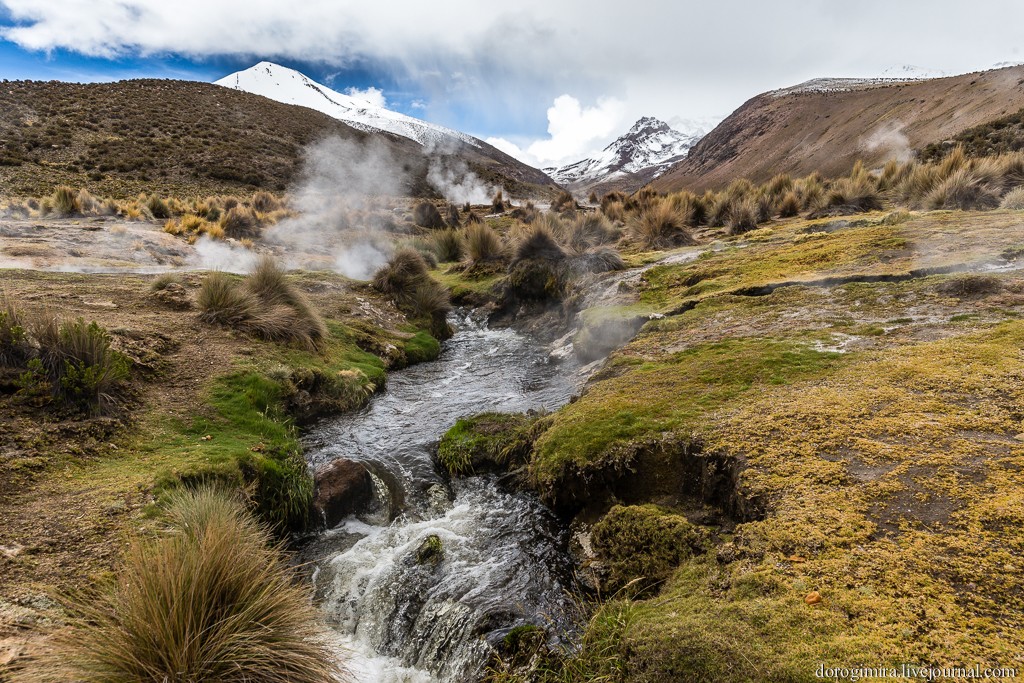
(551, 80)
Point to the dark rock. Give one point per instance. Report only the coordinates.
(343, 487)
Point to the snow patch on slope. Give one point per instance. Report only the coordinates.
(286, 85)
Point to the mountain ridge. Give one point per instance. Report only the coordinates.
(646, 150)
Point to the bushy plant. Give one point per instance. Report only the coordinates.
(210, 599)
(241, 222)
(483, 243)
(1014, 199)
(15, 345)
(265, 202)
(564, 202)
(659, 226)
(158, 207)
(743, 216)
(406, 280)
(64, 201)
(447, 245)
(498, 203)
(962, 189)
(426, 215)
(790, 205)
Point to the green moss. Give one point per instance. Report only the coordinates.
(674, 394)
(431, 551)
(487, 441)
(642, 544)
(421, 347)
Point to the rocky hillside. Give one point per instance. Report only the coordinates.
(814, 127)
(635, 158)
(188, 138)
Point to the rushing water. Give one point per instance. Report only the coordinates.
(504, 557)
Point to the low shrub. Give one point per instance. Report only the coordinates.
(211, 599)
(265, 202)
(538, 242)
(447, 245)
(240, 222)
(483, 243)
(963, 190)
(743, 215)
(64, 201)
(69, 361)
(426, 215)
(16, 347)
(1014, 199)
(498, 203)
(659, 226)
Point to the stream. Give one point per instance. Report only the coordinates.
(505, 560)
(505, 557)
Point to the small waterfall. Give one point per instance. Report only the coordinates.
(503, 559)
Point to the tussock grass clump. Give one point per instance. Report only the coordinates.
(69, 361)
(223, 302)
(789, 206)
(538, 243)
(498, 203)
(564, 202)
(405, 278)
(743, 216)
(211, 599)
(64, 201)
(453, 219)
(426, 215)
(483, 243)
(614, 211)
(163, 281)
(659, 226)
(265, 305)
(265, 202)
(962, 189)
(240, 222)
(1014, 199)
(16, 348)
(718, 210)
(157, 207)
(856, 194)
(447, 245)
(589, 230)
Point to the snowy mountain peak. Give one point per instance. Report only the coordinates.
(649, 147)
(286, 85)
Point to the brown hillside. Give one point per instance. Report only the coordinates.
(828, 131)
(183, 138)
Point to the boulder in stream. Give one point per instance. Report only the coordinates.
(343, 487)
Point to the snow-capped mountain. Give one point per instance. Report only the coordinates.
(650, 147)
(291, 87)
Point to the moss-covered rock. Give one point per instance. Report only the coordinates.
(488, 442)
(643, 544)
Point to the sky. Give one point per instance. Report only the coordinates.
(550, 81)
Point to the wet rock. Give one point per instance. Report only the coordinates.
(431, 551)
(343, 487)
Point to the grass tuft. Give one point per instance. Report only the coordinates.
(211, 599)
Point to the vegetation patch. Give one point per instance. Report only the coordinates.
(211, 598)
(487, 442)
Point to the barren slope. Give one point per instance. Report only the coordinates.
(827, 131)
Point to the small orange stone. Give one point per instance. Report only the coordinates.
(813, 598)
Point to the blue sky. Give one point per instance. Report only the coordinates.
(548, 80)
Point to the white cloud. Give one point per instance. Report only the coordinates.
(574, 129)
(508, 62)
(374, 96)
(574, 132)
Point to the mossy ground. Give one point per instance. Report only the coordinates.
(877, 424)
